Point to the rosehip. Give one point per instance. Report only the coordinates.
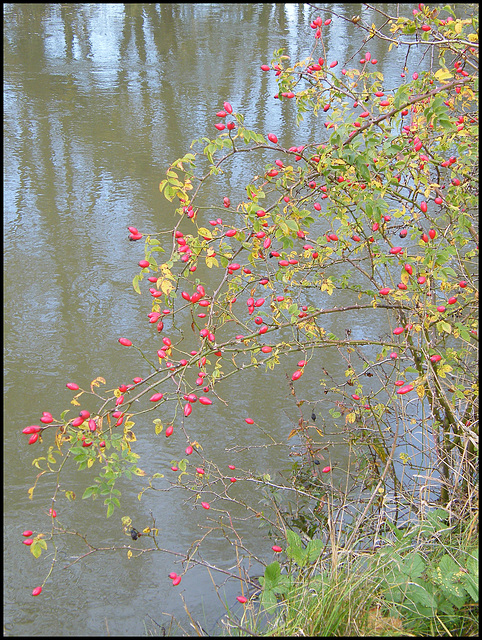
(32, 429)
(403, 390)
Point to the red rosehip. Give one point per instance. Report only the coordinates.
(32, 429)
(403, 390)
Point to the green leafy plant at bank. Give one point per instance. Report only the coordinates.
(421, 581)
(430, 576)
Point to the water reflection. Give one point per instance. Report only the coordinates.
(98, 99)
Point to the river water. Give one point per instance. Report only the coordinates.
(98, 100)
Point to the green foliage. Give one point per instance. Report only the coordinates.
(438, 583)
(377, 213)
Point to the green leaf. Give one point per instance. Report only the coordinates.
(420, 592)
(89, 491)
(413, 565)
(272, 574)
(314, 549)
(269, 600)
(37, 546)
(293, 538)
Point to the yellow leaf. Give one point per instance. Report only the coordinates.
(30, 493)
(404, 277)
(166, 287)
(166, 272)
(205, 232)
(350, 417)
(211, 262)
(420, 391)
(328, 286)
(443, 74)
(129, 554)
(458, 27)
(130, 436)
(90, 462)
(97, 382)
(444, 326)
(444, 369)
(158, 427)
(139, 472)
(75, 403)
